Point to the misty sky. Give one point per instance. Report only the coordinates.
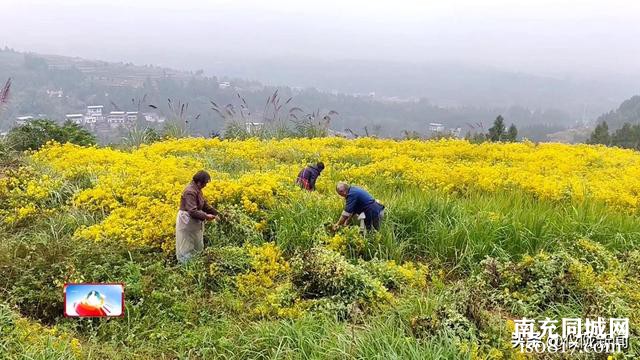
(543, 36)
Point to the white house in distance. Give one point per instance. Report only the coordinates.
(436, 127)
(116, 118)
(55, 93)
(132, 116)
(93, 115)
(94, 110)
(92, 120)
(76, 118)
(22, 120)
(224, 85)
(152, 117)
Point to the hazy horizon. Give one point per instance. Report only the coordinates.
(555, 38)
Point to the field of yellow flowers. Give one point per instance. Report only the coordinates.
(475, 235)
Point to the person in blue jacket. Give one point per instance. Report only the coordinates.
(307, 177)
(358, 202)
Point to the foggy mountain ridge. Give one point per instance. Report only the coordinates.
(627, 112)
(443, 83)
(495, 54)
(471, 95)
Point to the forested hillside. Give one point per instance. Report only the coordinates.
(52, 86)
(628, 112)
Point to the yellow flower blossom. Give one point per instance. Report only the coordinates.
(139, 190)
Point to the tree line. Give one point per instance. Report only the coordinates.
(33, 77)
(628, 136)
(497, 133)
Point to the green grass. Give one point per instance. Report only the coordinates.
(173, 312)
(462, 230)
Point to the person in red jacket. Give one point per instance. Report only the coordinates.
(307, 177)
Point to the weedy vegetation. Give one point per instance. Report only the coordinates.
(476, 235)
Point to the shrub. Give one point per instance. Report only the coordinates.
(266, 286)
(324, 273)
(22, 338)
(37, 133)
(397, 277)
(225, 262)
(25, 193)
(445, 320)
(590, 278)
(529, 285)
(347, 241)
(235, 228)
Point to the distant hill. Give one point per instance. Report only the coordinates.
(102, 72)
(51, 86)
(627, 112)
(443, 83)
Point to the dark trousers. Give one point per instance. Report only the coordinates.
(372, 223)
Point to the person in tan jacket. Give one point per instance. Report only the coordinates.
(194, 211)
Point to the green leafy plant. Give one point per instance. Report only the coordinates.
(36, 133)
(323, 273)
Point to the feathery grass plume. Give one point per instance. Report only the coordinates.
(218, 112)
(312, 124)
(179, 118)
(116, 107)
(411, 135)
(278, 119)
(4, 93)
(4, 99)
(353, 133)
(137, 136)
(139, 104)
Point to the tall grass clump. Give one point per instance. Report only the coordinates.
(278, 120)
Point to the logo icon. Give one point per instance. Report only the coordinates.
(93, 300)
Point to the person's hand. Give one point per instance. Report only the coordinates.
(335, 227)
(211, 217)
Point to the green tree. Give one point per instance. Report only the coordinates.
(628, 137)
(512, 133)
(497, 131)
(37, 133)
(600, 134)
(74, 133)
(475, 137)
